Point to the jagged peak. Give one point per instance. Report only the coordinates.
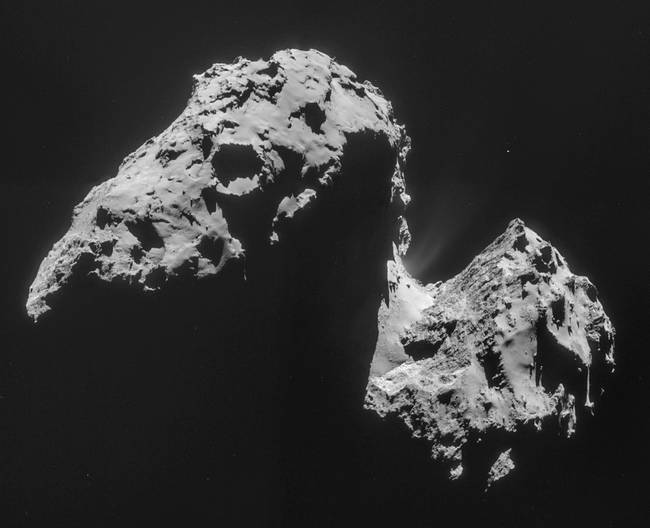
(511, 340)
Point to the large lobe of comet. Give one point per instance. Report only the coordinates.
(164, 214)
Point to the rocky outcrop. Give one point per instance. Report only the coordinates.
(515, 340)
(175, 207)
(501, 467)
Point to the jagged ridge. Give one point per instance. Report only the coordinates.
(513, 340)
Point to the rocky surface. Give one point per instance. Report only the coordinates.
(515, 340)
(164, 214)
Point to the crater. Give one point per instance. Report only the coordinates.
(233, 161)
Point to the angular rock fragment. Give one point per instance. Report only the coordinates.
(174, 207)
(515, 340)
(501, 467)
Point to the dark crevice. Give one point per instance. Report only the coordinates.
(422, 349)
(107, 247)
(544, 260)
(314, 117)
(450, 326)
(189, 217)
(312, 174)
(571, 284)
(209, 195)
(206, 145)
(85, 264)
(186, 271)
(558, 311)
(520, 243)
(250, 217)
(241, 96)
(358, 89)
(555, 364)
(490, 360)
(528, 277)
(156, 278)
(274, 90)
(146, 233)
(250, 88)
(166, 155)
(444, 397)
(211, 248)
(592, 292)
(136, 254)
(105, 217)
(271, 69)
(234, 161)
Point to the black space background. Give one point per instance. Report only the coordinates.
(531, 110)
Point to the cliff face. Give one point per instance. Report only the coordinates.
(257, 142)
(515, 340)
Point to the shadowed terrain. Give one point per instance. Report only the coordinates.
(240, 398)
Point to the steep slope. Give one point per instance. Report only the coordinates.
(514, 340)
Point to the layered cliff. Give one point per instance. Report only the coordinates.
(514, 340)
